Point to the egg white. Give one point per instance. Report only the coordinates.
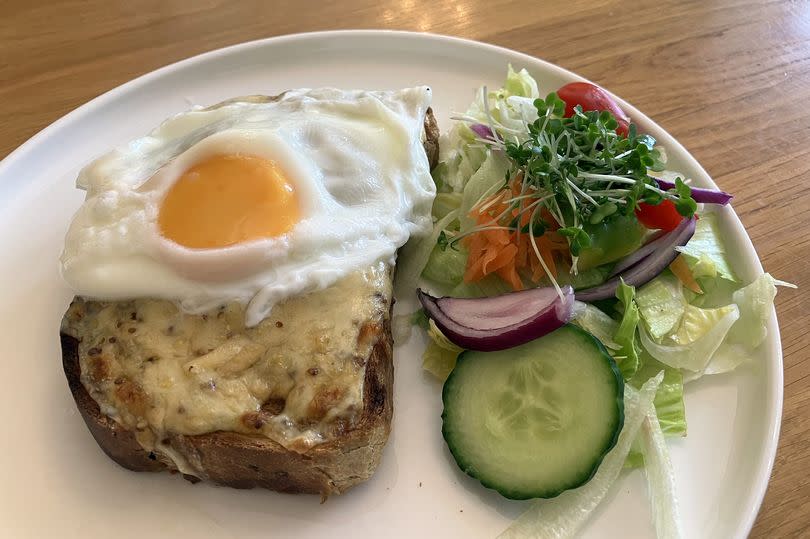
(355, 159)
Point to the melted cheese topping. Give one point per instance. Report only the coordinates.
(296, 378)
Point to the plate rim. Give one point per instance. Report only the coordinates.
(774, 363)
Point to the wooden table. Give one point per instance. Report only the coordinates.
(730, 79)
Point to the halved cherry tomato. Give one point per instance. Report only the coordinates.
(591, 97)
(663, 216)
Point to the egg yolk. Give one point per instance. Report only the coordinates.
(226, 200)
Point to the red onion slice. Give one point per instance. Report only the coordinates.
(648, 267)
(706, 196)
(499, 322)
(483, 131)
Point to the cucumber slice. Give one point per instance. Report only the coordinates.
(534, 420)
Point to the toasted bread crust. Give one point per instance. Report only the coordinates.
(431, 142)
(244, 461)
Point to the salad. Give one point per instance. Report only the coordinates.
(574, 285)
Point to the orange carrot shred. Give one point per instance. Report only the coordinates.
(681, 270)
(509, 254)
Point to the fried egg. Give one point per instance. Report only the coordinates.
(254, 200)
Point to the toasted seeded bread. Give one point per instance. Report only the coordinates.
(241, 460)
(244, 461)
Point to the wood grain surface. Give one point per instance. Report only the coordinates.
(730, 79)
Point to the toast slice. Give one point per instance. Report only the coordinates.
(253, 453)
(347, 452)
(246, 461)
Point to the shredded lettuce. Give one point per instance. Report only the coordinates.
(446, 266)
(460, 154)
(520, 83)
(755, 302)
(696, 322)
(439, 361)
(598, 324)
(705, 252)
(459, 158)
(725, 359)
(660, 478)
(669, 405)
(625, 336)
(444, 203)
(564, 515)
(661, 304)
(486, 181)
(414, 256)
(440, 356)
(715, 332)
(695, 355)
(635, 458)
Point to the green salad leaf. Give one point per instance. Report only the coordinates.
(520, 83)
(627, 357)
(669, 404)
(598, 324)
(415, 254)
(660, 477)
(446, 265)
(440, 356)
(661, 304)
(694, 355)
(705, 251)
(487, 180)
(756, 303)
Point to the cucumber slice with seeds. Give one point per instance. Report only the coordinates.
(534, 420)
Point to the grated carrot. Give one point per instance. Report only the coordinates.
(510, 254)
(681, 270)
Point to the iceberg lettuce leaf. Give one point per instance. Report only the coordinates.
(440, 356)
(520, 83)
(598, 324)
(660, 478)
(756, 303)
(625, 336)
(439, 361)
(414, 256)
(661, 304)
(705, 252)
(444, 203)
(446, 265)
(485, 182)
(695, 355)
(696, 322)
(669, 405)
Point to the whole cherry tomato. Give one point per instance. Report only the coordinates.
(591, 97)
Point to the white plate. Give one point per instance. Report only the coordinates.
(57, 482)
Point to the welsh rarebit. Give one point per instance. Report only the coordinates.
(294, 395)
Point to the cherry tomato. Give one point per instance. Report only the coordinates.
(591, 97)
(663, 216)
